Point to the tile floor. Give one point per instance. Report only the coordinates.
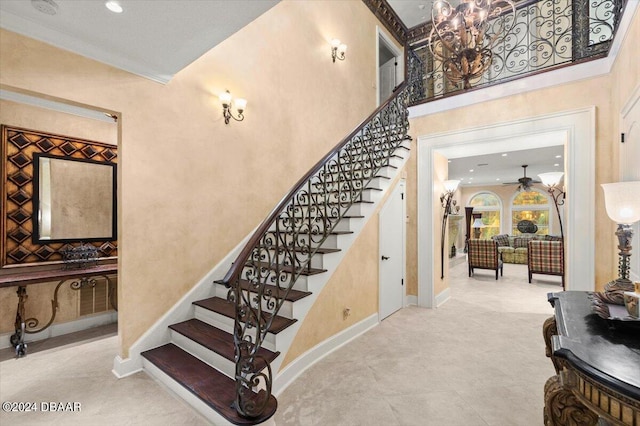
(476, 360)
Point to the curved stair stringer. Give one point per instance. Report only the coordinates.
(316, 283)
(222, 360)
(187, 309)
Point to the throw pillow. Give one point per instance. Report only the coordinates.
(520, 242)
(502, 240)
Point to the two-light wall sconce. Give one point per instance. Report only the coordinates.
(228, 102)
(338, 50)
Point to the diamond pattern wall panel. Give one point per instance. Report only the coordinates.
(19, 146)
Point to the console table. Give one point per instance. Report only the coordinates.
(79, 278)
(598, 367)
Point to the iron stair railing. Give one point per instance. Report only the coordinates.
(281, 249)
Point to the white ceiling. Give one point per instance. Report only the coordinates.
(496, 169)
(413, 12)
(151, 38)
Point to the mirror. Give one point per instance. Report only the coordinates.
(74, 200)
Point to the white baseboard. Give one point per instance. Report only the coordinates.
(443, 297)
(321, 350)
(64, 328)
(410, 300)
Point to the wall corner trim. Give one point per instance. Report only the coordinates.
(443, 297)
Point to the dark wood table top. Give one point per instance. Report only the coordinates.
(26, 278)
(610, 355)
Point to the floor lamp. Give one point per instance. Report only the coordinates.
(552, 181)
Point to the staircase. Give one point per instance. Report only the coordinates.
(221, 360)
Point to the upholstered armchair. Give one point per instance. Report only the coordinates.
(546, 257)
(483, 254)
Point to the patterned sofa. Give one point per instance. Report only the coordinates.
(514, 249)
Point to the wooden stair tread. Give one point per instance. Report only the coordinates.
(291, 297)
(228, 309)
(211, 386)
(216, 340)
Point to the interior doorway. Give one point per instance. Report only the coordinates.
(579, 129)
(390, 66)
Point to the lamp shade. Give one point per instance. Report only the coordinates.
(622, 200)
(478, 223)
(551, 178)
(225, 98)
(451, 185)
(241, 104)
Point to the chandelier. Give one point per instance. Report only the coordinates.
(462, 38)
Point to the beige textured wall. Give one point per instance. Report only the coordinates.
(193, 187)
(608, 93)
(46, 120)
(354, 285)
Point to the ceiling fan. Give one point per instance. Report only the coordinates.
(524, 183)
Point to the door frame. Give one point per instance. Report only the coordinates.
(400, 186)
(633, 101)
(579, 125)
(383, 37)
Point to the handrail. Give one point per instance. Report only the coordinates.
(281, 248)
(237, 266)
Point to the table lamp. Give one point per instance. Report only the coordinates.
(622, 201)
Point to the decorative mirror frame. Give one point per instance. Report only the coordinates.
(18, 148)
(36, 237)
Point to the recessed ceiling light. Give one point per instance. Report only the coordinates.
(470, 178)
(497, 178)
(556, 165)
(471, 170)
(558, 156)
(114, 6)
(448, 161)
(504, 155)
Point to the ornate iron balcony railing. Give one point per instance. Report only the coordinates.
(281, 249)
(547, 34)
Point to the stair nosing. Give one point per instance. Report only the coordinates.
(266, 353)
(286, 322)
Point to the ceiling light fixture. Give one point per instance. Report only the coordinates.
(504, 155)
(460, 38)
(114, 6)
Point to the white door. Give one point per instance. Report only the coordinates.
(387, 79)
(629, 169)
(391, 260)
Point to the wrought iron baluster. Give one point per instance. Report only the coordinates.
(284, 244)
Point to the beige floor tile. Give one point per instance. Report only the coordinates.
(477, 360)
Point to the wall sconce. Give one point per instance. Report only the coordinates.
(449, 205)
(477, 228)
(552, 181)
(338, 50)
(227, 102)
(622, 201)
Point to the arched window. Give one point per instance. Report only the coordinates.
(532, 205)
(488, 204)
